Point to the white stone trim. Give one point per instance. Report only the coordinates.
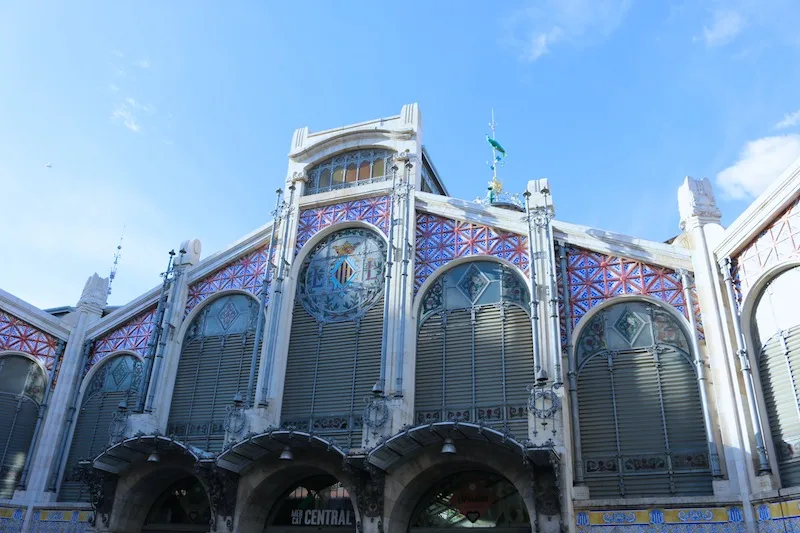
(761, 212)
(597, 240)
(34, 316)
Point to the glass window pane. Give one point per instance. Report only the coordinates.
(363, 171)
(350, 175)
(338, 176)
(325, 178)
(378, 168)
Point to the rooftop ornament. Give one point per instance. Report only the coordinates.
(495, 196)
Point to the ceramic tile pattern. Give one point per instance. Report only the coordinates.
(595, 277)
(692, 520)
(18, 335)
(373, 210)
(439, 240)
(132, 335)
(777, 243)
(60, 521)
(245, 273)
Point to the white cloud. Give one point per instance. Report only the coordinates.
(792, 119)
(536, 29)
(142, 63)
(117, 53)
(725, 26)
(113, 88)
(759, 163)
(123, 114)
(147, 108)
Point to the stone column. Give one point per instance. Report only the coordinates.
(48, 459)
(700, 220)
(168, 347)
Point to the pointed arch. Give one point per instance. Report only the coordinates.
(110, 387)
(23, 380)
(474, 346)
(640, 413)
(217, 344)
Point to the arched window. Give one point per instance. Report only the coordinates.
(183, 506)
(116, 380)
(335, 344)
(474, 500)
(214, 366)
(348, 169)
(641, 419)
(22, 384)
(776, 324)
(316, 502)
(474, 348)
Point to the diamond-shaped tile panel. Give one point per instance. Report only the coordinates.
(777, 243)
(18, 335)
(473, 283)
(120, 371)
(228, 315)
(629, 325)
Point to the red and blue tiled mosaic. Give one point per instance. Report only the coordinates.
(439, 240)
(595, 278)
(373, 210)
(245, 273)
(20, 336)
(778, 242)
(132, 335)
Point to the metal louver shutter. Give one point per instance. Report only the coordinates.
(429, 379)
(779, 374)
(223, 361)
(685, 426)
(90, 438)
(19, 421)
(488, 376)
(300, 366)
(518, 343)
(329, 375)
(598, 433)
(458, 363)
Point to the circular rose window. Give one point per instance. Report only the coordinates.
(343, 275)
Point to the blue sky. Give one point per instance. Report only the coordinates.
(174, 119)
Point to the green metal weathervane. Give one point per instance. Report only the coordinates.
(498, 158)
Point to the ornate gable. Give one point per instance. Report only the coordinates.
(779, 242)
(18, 335)
(439, 240)
(594, 278)
(373, 210)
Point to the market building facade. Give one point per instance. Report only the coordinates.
(382, 357)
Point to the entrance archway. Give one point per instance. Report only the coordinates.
(183, 506)
(319, 502)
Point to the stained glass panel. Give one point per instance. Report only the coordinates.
(343, 276)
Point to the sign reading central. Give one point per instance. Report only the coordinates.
(343, 275)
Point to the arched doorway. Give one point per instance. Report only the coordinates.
(471, 499)
(183, 506)
(315, 503)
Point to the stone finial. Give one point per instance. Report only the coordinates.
(541, 195)
(95, 294)
(696, 200)
(411, 117)
(190, 255)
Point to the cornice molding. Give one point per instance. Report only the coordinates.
(593, 239)
(760, 213)
(34, 316)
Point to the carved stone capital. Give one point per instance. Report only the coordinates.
(95, 294)
(696, 203)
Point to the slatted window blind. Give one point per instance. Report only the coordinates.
(640, 416)
(776, 324)
(474, 349)
(22, 385)
(116, 380)
(214, 366)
